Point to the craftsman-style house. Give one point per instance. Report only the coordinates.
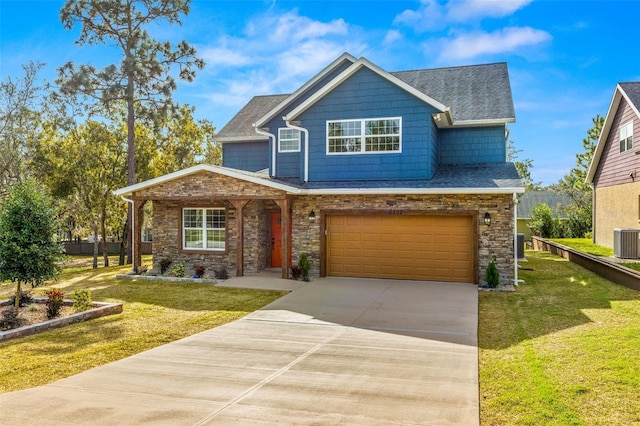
(370, 173)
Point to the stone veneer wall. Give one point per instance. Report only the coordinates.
(495, 242)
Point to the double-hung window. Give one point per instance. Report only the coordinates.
(626, 137)
(377, 135)
(203, 229)
(288, 140)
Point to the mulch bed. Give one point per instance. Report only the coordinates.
(36, 313)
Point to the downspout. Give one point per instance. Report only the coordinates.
(306, 146)
(133, 239)
(273, 147)
(515, 239)
(593, 213)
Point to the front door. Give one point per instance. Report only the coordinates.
(276, 240)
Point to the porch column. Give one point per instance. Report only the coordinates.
(239, 205)
(138, 216)
(284, 214)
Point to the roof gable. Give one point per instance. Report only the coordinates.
(631, 93)
(360, 63)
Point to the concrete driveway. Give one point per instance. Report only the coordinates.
(335, 351)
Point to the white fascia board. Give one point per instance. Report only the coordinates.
(203, 168)
(414, 191)
(274, 112)
(362, 62)
(237, 139)
(604, 134)
(474, 123)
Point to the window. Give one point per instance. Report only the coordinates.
(376, 135)
(288, 140)
(203, 229)
(626, 137)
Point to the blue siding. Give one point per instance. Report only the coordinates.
(472, 145)
(367, 95)
(290, 164)
(249, 156)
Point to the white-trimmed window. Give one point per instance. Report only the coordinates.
(371, 135)
(626, 137)
(288, 140)
(203, 229)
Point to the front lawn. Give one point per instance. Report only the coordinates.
(562, 350)
(155, 313)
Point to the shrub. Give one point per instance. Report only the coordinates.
(296, 272)
(199, 271)
(492, 276)
(541, 222)
(25, 299)
(178, 269)
(164, 265)
(221, 273)
(82, 300)
(55, 302)
(303, 263)
(9, 320)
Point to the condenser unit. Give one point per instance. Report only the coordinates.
(626, 244)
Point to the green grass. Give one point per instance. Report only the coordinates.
(155, 313)
(584, 245)
(562, 350)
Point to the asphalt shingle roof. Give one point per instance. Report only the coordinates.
(632, 89)
(241, 125)
(530, 199)
(474, 92)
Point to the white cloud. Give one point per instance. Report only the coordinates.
(217, 57)
(391, 37)
(293, 28)
(506, 40)
(436, 15)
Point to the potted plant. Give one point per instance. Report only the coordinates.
(303, 263)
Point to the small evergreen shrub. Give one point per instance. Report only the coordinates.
(55, 301)
(296, 272)
(9, 320)
(178, 270)
(164, 265)
(82, 300)
(492, 276)
(303, 263)
(221, 273)
(25, 299)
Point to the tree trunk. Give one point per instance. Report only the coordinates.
(103, 232)
(16, 306)
(96, 243)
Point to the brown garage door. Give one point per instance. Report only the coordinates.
(431, 248)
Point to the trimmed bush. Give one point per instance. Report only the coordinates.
(82, 300)
(492, 276)
(55, 302)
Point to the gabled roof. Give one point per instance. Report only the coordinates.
(356, 66)
(629, 91)
(475, 93)
(499, 178)
(467, 95)
(530, 199)
(241, 125)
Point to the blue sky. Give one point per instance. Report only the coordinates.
(564, 57)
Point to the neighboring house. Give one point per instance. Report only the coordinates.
(371, 173)
(615, 169)
(530, 199)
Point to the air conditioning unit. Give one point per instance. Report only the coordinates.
(626, 244)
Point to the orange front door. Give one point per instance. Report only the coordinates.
(276, 240)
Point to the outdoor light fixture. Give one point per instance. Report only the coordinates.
(487, 219)
(312, 215)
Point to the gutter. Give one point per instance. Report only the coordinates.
(306, 146)
(273, 147)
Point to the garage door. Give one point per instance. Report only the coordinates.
(431, 248)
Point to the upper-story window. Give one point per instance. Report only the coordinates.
(203, 229)
(626, 137)
(288, 140)
(377, 135)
